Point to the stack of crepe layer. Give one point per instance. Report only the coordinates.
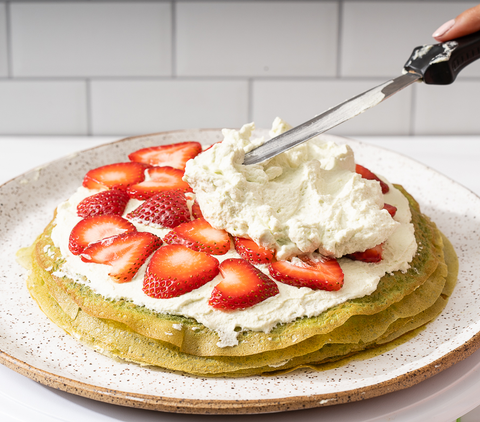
(399, 308)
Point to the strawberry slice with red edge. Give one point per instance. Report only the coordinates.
(252, 252)
(165, 209)
(196, 211)
(318, 274)
(367, 174)
(173, 155)
(200, 236)
(243, 286)
(391, 209)
(370, 255)
(125, 253)
(111, 201)
(95, 228)
(118, 175)
(175, 270)
(160, 179)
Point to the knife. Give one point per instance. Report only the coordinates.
(436, 64)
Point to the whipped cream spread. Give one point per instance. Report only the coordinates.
(306, 199)
(302, 181)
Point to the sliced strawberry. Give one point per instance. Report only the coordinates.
(391, 209)
(161, 179)
(95, 228)
(370, 255)
(173, 155)
(196, 211)
(165, 209)
(200, 236)
(318, 274)
(175, 270)
(252, 252)
(367, 174)
(125, 253)
(242, 286)
(119, 175)
(111, 201)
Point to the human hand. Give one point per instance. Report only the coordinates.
(465, 23)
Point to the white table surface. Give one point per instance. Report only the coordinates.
(443, 398)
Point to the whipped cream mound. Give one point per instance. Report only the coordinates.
(306, 199)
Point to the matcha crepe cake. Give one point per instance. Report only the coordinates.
(139, 266)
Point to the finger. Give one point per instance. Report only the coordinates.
(465, 23)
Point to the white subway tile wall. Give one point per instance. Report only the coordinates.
(43, 107)
(300, 100)
(91, 39)
(378, 36)
(128, 67)
(451, 118)
(257, 39)
(146, 106)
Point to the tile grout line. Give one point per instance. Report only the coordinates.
(339, 39)
(9, 40)
(173, 9)
(412, 110)
(201, 78)
(88, 96)
(250, 99)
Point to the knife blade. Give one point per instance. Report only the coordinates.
(329, 119)
(437, 64)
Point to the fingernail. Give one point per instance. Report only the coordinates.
(444, 28)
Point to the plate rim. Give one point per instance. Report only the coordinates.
(240, 406)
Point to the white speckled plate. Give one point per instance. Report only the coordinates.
(33, 346)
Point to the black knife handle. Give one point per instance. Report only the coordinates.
(439, 64)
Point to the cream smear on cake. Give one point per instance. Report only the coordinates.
(306, 199)
(291, 303)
